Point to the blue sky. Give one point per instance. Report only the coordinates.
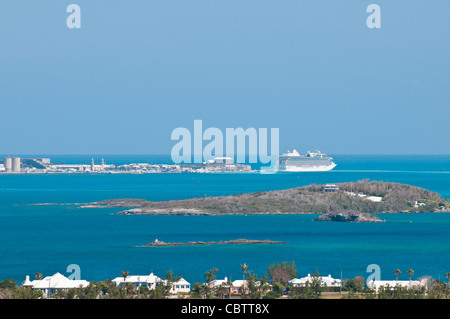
(136, 70)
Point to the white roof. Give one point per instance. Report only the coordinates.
(181, 281)
(328, 280)
(394, 283)
(240, 283)
(57, 281)
(138, 278)
(218, 282)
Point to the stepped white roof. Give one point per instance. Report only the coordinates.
(57, 281)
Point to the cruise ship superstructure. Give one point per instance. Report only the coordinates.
(292, 161)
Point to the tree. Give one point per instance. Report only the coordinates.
(397, 272)
(282, 273)
(354, 285)
(255, 287)
(209, 277)
(38, 276)
(223, 290)
(125, 274)
(313, 288)
(244, 270)
(410, 272)
(167, 285)
(8, 284)
(447, 275)
(197, 291)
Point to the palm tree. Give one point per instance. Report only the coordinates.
(244, 270)
(397, 272)
(410, 272)
(125, 274)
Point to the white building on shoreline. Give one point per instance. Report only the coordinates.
(391, 284)
(52, 284)
(327, 281)
(151, 282)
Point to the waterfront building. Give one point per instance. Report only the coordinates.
(327, 281)
(180, 286)
(218, 282)
(149, 281)
(239, 287)
(52, 284)
(391, 284)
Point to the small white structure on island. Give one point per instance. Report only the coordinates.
(52, 284)
(418, 204)
(391, 284)
(223, 160)
(327, 281)
(376, 199)
(330, 188)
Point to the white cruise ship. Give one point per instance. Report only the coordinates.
(292, 161)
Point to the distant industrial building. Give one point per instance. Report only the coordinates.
(16, 164)
(8, 164)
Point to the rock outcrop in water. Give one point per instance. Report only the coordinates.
(350, 217)
(158, 243)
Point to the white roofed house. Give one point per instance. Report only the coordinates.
(181, 285)
(52, 284)
(149, 281)
(327, 281)
(218, 282)
(391, 284)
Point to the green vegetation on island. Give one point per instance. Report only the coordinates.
(350, 198)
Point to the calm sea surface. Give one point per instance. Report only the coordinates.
(47, 239)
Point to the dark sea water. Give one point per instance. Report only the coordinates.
(47, 239)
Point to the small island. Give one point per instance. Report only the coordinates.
(158, 243)
(351, 217)
(350, 202)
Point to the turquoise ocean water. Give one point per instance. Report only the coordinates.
(47, 239)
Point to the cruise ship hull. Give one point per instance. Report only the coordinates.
(308, 168)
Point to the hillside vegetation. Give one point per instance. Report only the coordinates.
(301, 200)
